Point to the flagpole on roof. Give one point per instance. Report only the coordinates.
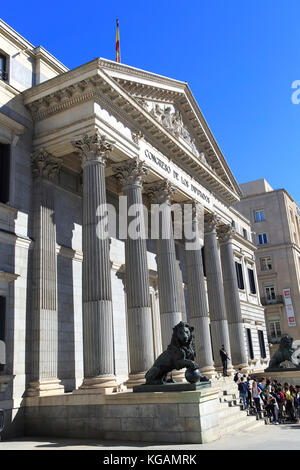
(118, 56)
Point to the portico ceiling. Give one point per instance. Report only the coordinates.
(121, 88)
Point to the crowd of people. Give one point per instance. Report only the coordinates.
(279, 402)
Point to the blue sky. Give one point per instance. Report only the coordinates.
(240, 58)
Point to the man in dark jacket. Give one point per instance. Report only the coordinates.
(224, 358)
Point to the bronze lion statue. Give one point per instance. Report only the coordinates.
(283, 353)
(179, 354)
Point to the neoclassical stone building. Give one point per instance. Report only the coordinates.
(81, 313)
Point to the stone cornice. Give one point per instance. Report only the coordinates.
(244, 241)
(11, 125)
(8, 277)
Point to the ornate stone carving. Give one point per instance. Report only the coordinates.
(136, 136)
(92, 148)
(131, 171)
(160, 192)
(211, 222)
(44, 165)
(225, 232)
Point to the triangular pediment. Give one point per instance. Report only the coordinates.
(173, 106)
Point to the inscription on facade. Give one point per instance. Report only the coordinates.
(175, 174)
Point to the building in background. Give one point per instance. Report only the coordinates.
(275, 220)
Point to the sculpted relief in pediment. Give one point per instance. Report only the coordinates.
(171, 119)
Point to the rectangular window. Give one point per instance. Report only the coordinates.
(259, 216)
(2, 332)
(239, 275)
(3, 67)
(262, 238)
(270, 293)
(4, 172)
(262, 344)
(250, 345)
(275, 329)
(245, 234)
(265, 263)
(251, 281)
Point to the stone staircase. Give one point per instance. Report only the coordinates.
(232, 416)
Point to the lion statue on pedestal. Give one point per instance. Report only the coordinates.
(179, 354)
(284, 352)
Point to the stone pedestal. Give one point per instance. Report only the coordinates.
(44, 319)
(97, 296)
(185, 417)
(139, 316)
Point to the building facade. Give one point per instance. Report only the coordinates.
(275, 218)
(82, 312)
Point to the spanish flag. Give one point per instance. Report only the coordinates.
(118, 44)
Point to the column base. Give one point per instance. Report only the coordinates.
(179, 375)
(209, 371)
(136, 379)
(230, 371)
(45, 388)
(104, 385)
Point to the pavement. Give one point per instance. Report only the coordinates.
(269, 437)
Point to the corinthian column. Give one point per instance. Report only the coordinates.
(44, 380)
(140, 334)
(169, 299)
(215, 291)
(96, 281)
(232, 298)
(199, 317)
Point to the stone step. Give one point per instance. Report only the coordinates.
(240, 427)
(228, 411)
(241, 422)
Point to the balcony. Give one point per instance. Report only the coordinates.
(277, 299)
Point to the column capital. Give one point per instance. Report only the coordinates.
(93, 148)
(44, 165)
(131, 172)
(225, 232)
(211, 220)
(161, 191)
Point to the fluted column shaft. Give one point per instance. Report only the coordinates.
(139, 316)
(44, 359)
(215, 291)
(232, 299)
(98, 351)
(169, 299)
(199, 317)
